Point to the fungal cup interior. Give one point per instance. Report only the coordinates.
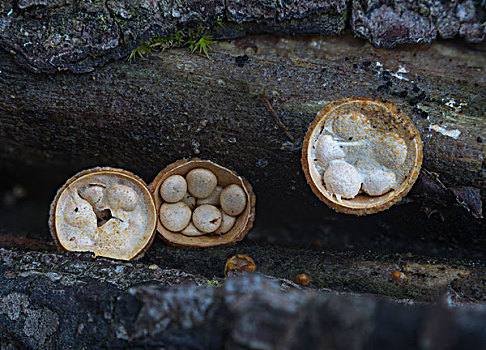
(107, 213)
(225, 178)
(372, 137)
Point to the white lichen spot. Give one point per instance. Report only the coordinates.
(40, 324)
(399, 73)
(195, 146)
(454, 104)
(450, 133)
(13, 305)
(402, 69)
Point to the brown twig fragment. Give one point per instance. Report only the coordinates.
(276, 118)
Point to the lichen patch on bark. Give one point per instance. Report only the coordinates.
(40, 324)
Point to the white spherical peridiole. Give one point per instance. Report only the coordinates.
(226, 225)
(351, 126)
(201, 182)
(378, 182)
(328, 149)
(121, 197)
(189, 200)
(233, 200)
(93, 194)
(207, 218)
(342, 179)
(173, 189)
(192, 231)
(175, 216)
(213, 198)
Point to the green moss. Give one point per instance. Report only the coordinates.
(166, 42)
(141, 51)
(197, 41)
(202, 43)
(214, 283)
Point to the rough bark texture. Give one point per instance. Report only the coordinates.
(118, 305)
(50, 35)
(390, 23)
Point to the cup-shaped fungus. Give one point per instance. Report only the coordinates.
(221, 204)
(360, 156)
(107, 211)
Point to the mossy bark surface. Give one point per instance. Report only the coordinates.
(79, 35)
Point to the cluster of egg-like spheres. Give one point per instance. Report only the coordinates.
(355, 158)
(197, 205)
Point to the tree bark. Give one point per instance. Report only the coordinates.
(50, 35)
(121, 304)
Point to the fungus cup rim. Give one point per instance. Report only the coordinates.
(382, 202)
(101, 170)
(244, 221)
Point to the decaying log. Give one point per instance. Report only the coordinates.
(248, 108)
(64, 301)
(144, 115)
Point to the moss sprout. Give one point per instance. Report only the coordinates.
(199, 41)
(141, 51)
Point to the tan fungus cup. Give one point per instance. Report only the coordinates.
(374, 137)
(225, 177)
(109, 212)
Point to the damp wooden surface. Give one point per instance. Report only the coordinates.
(146, 114)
